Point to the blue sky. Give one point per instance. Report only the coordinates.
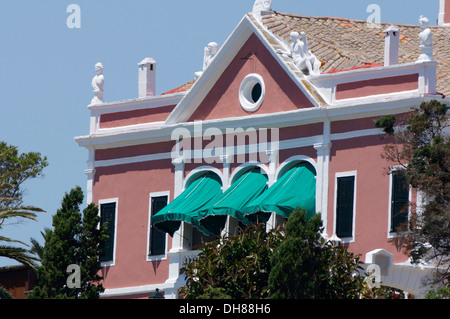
(46, 68)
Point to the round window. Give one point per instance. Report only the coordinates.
(252, 92)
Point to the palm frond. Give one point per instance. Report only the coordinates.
(9, 240)
(18, 254)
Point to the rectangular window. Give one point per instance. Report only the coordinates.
(345, 198)
(399, 200)
(108, 218)
(157, 237)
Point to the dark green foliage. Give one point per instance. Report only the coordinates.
(4, 294)
(74, 240)
(305, 266)
(237, 267)
(423, 149)
(386, 123)
(214, 294)
(295, 262)
(440, 293)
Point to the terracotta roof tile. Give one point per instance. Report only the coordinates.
(185, 87)
(345, 43)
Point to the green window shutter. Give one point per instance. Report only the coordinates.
(345, 201)
(157, 237)
(108, 217)
(400, 200)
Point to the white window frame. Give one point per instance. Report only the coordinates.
(337, 176)
(149, 227)
(245, 92)
(104, 202)
(393, 234)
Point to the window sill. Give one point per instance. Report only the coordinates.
(156, 257)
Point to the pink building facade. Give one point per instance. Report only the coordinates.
(254, 107)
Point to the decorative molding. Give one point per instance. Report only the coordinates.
(347, 110)
(314, 141)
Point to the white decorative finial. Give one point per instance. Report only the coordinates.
(262, 6)
(97, 84)
(210, 52)
(426, 40)
(307, 62)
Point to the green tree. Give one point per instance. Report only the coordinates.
(305, 266)
(440, 293)
(74, 240)
(4, 294)
(15, 170)
(422, 148)
(234, 267)
(36, 248)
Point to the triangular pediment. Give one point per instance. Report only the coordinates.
(221, 92)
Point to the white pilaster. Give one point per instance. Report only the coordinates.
(442, 10)
(90, 173)
(178, 242)
(323, 172)
(226, 160)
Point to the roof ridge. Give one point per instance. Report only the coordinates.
(293, 15)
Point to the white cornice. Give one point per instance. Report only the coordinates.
(146, 135)
(138, 103)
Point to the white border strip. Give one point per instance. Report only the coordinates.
(283, 145)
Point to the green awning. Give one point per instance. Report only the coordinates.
(232, 203)
(296, 188)
(186, 207)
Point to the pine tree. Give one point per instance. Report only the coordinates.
(74, 240)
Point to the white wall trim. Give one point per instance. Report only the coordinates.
(137, 290)
(283, 145)
(441, 18)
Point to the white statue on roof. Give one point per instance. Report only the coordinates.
(426, 40)
(210, 52)
(299, 52)
(97, 84)
(262, 6)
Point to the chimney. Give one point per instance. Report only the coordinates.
(392, 41)
(444, 13)
(147, 77)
